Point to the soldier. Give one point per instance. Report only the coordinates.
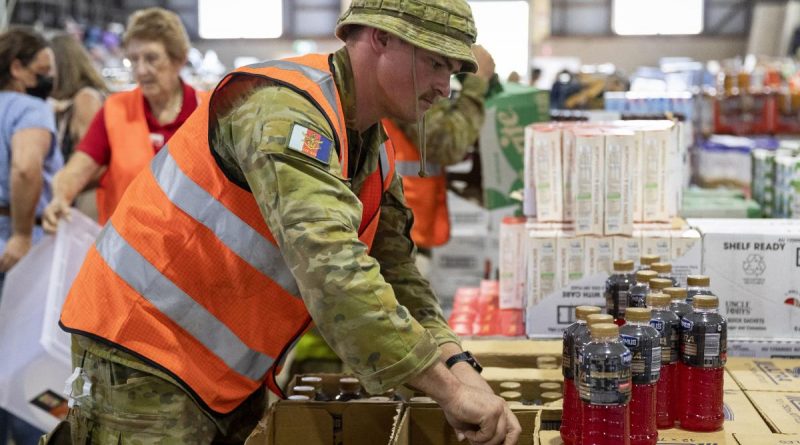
(451, 128)
(276, 203)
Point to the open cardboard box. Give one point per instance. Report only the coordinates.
(528, 378)
(425, 424)
(327, 423)
(513, 353)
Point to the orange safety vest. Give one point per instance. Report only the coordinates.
(131, 148)
(427, 197)
(187, 276)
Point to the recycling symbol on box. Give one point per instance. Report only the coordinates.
(754, 264)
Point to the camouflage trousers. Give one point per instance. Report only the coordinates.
(131, 402)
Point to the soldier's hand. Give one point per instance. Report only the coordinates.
(57, 208)
(481, 417)
(485, 62)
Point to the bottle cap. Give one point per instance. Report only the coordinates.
(705, 302)
(303, 390)
(349, 384)
(599, 318)
(314, 381)
(550, 396)
(647, 260)
(510, 386)
(421, 399)
(661, 283)
(510, 396)
(637, 314)
(604, 330)
(299, 398)
(675, 293)
(380, 399)
(658, 299)
(644, 276)
(662, 267)
(623, 265)
(581, 312)
(550, 386)
(698, 280)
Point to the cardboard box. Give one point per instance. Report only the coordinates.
(502, 142)
(618, 186)
(686, 251)
(587, 182)
(778, 375)
(555, 311)
(425, 424)
(512, 263)
(780, 409)
(323, 423)
(599, 254)
(764, 348)
(657, 242)
(740, 415)
(628, 247)
(571, 258)
(767, 439)
(754, 266)
(541, 259)
(512, 353)
(543, 194)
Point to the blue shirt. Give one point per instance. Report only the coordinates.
(17, 112)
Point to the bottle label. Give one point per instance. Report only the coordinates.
(605, 379)
(645, 358)
(637, 299)
(616, 296)
(704, 345)
(568, 346)
(669, 336)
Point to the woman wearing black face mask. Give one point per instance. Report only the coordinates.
(28, 160)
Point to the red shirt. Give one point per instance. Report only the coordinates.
(95, 141)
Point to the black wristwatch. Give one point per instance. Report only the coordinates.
(464, 357)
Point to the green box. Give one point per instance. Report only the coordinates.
(502, 141)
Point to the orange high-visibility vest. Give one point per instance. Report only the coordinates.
(427, 197)
(187, 275)
(131, 148)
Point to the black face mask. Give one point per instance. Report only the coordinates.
(43, 87)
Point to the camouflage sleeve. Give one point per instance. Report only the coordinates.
(395, 251)
(452, 127)
(314, 216)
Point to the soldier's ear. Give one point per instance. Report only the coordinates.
(380, 38)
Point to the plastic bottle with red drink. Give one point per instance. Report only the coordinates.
(697, 285)
(644, 343)
(646, 260)
(678, 302)
(605, 388)
(641, 288)
(571, 408)
(665, 271)
(618, 287)
(582, 338)
(704, 344)
(668, 326)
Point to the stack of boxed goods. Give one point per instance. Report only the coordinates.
(595, 193)
(718, 203)
(480, 311)
(776, 180)
(724, 161)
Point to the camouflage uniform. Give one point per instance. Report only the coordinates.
(452, 127)
(375, 309)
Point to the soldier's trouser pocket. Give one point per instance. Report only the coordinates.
(129, 406)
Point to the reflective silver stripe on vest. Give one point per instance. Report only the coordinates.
(384, 162)
(321, 78)
(145, 279)
(237, 235)
(411, 168)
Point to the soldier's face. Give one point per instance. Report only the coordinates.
(433, 72)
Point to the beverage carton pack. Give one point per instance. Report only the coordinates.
(543, 271)
(587, 182)
(618, 206)
(543, 195)
(599, 254)
(571, 257)
(512, 263)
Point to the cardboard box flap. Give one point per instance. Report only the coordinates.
(512, 353)
(765, 374)
(767, 439)
(781, 410)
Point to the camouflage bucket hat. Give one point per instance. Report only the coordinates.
(444, 27)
